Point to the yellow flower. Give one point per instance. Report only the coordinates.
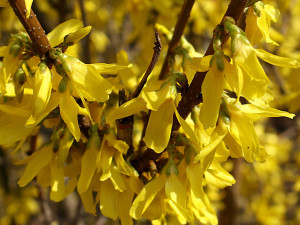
(146, 196)
(162, 105)
(10, 63)
(247, 77)
(259, 16)
(200, 204)
(212, 90)
(41, 89)
(88, 164)
(235, 127)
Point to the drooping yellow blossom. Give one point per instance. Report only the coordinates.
(235, 127)
(258, 22)
(249, 79)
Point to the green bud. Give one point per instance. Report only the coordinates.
(230, 26)
(15, 48)
(224, 112)
(219, 62)
(43, 67)
(20, 76)
(171, 167)
(62, 87)
(180, 78)
(19, 80)
(24, 37)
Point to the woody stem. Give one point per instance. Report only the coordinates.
(178, 32)
(32, 27)
(192, 96)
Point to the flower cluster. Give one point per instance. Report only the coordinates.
(157, 172)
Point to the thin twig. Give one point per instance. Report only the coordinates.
(178, 32)
(193, 95)
(156, 53)
(125, 125)
(86, 40)
(32, 26)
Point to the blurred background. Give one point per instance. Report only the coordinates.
(265, 193)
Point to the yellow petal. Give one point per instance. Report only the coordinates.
(256, 112)
(217, 176)
(52, 104)
(88, 167)
(117, 179)
(38, 160)
(10, 64)
(263, 24)
(69, 110)
(199, 199)
(155, 99)
(70, 186)
(109, 69)
(109, 200)
(242, 130)
(56, 36)
(57, 181)
(272, 12)
(42, 89)
(106, 161)
(159, 127)
(125, 198)
(90, 83)
(187, 128)
(157, 208)
(248, 61)
(88, 201)
(146, 196)
(200, 64)
(64, 146)
(127, 109)
(216, 138)
(234, 147)
(252, 32)
(44, 177)
(176, 194)
(277, 60)
(120, 145)
(28, 4)
(122, 166)
(76, 36)
(212, 89)
(234, 77)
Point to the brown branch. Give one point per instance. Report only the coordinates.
(154, 60)
(193, 95)
(178, 32)
(32, 27)
(125, 125)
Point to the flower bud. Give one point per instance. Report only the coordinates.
(62, 87)
(15, 48)
(19, 80)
